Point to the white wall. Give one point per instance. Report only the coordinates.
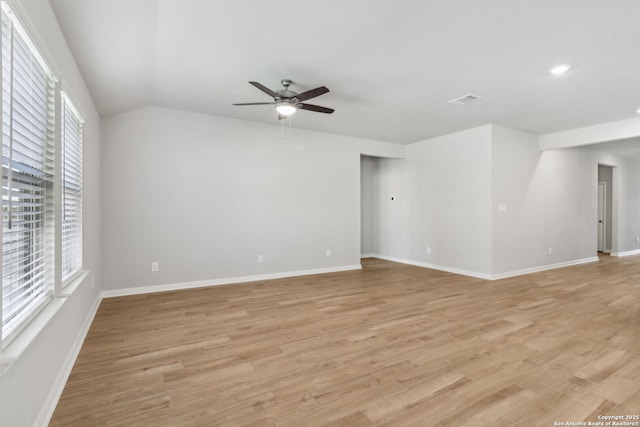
(549, 199)
(390, 218)
(205, 195)
(442, 194)
(518, 216)
(626, 185)
(30, 387)
(489, 203)
(625, 199)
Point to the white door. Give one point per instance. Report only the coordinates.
(602, 196)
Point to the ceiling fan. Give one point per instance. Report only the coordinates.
(288, 102)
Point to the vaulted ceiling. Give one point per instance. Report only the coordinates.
(391, 66)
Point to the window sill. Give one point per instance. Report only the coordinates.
(72, 283)
(21, 342)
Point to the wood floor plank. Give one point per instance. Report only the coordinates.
(390, 345)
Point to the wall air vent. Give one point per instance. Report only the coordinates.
(466, 99)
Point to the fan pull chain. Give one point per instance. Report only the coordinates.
(288, 137)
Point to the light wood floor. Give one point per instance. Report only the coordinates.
(391, 345)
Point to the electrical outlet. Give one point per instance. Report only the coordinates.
(550, 251)
(429, 250)
(328, 252)
(155, 266)
(260, 258)
(637, 239)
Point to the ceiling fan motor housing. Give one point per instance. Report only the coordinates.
(286, 94)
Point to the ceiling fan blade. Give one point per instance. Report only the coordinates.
(312, 93)
(256, 103)
(265, 89)
(316, 108)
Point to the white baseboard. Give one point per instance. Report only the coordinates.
(486, 276)
(225, 281)
(435, 267)
(367, 256)
(542, 268)
(61, 380)
(626, 253)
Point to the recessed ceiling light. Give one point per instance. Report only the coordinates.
(559, 69)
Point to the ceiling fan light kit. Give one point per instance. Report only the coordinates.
(287, 101)
(286, 108)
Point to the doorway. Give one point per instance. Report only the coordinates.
(602, 197)
(604, 224)
(368, 205)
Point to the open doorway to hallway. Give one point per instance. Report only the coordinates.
(368, 205)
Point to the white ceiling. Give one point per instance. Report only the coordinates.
(391, 66)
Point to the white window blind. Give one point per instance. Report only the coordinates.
(28, 140)
(71, 191)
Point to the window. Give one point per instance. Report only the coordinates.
(71, 191)
(41, 187)
(28, 141)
